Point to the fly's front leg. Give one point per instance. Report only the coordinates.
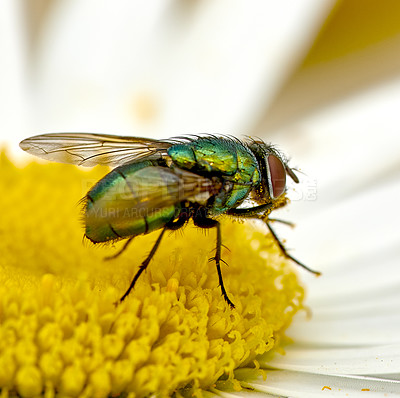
(288, 223)
(204, 222)
(284, 251)
(261, 213)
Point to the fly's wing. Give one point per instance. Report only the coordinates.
(131, 201)
(154, 187)
(85, 149)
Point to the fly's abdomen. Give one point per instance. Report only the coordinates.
(131, 200)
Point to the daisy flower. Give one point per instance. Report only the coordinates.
(320, 79)
(60, 331)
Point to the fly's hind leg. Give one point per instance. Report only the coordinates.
(119, 252)
(204, 222)
(144, 264)
(172, 225)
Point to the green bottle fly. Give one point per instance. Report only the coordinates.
(162, 184)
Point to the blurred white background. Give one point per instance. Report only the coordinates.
(150, 68)
(319, 78)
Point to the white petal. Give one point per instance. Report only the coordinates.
(353, 361)
(349, 145)
(370, 319)
(345, 232)
(208, 66)
(303, 385)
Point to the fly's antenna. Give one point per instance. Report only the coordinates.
(291, 174)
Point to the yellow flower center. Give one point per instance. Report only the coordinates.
(60, 332)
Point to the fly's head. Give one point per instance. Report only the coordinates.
(273, 170)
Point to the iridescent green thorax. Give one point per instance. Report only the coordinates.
(227, 158)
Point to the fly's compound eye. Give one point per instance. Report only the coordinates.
(276, 176)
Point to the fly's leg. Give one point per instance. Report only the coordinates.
(172, 225)
(285, 253)
(261, 213)
(119, 252)
(182, 219)
(288, 223)
(218, 260)
(204, 222)
(144, 264)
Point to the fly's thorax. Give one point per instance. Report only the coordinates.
(228, 159)
(248, 172)
(182, 156)
(205, 155)
(245, 180)
(216, 156)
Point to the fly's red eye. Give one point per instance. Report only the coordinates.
(277, 176)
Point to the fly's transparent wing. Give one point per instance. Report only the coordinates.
(152, 188)
(166, 187)
(85, 149)
(140, 200)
